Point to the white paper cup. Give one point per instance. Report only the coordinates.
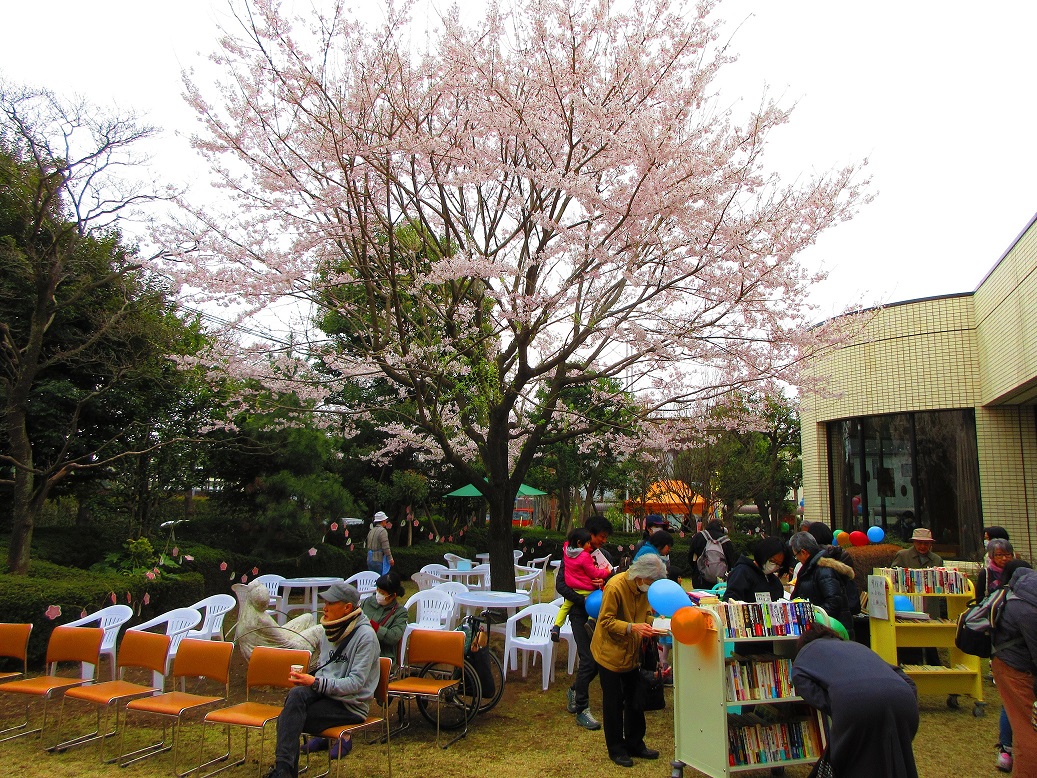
(297, 668)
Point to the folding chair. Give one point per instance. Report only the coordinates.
(436, 647)
(14, 644)
(144, 650)
(206, 659)
(381, 696)
(266, 667)
(66, 644)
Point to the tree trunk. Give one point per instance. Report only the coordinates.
(22, 509)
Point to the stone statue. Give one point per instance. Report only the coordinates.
(256, 627)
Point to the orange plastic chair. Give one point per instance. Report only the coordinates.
(206, 659)
(381, 696)
(266, 667)
(14, 644)
(66, 644)
(144, 650)
(437, 647)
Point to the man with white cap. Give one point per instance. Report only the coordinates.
(339, 691)
(379, 555)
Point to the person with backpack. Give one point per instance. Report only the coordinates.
(1014, 664)
(821, 579)
(999, 553)
(712, 555)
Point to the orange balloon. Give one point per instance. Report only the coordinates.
(689, 625)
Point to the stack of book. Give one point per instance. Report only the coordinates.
(760, 677)
(929, 580)
(764, 619)
(760, 738)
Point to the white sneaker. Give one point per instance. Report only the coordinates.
(1004, 760)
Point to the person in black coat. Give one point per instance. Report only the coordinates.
(873, 705)
(716, 530)
(822, 579)
(758, 574)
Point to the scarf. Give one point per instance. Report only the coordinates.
(994, 573)
(336, 630)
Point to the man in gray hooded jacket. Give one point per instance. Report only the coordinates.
(339, 691)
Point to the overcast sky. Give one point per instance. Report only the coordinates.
(937, 95)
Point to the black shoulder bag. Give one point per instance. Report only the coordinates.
(649, 694)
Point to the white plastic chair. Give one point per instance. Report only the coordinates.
(213, 610)
(455, 562)
(426, 581)
(178, 622)
(517, 553)
(109, 619)
(272, 582)
(364, 582)
(452, 588)
(435, 569)
(542, 617)
(432, 610)
(482, 582)
(566, 634)
(541, 563)
(526, 579)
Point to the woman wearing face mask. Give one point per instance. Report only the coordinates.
(758, 575)
(388, 616)
(623, 622)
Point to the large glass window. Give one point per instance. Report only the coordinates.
(907, 470)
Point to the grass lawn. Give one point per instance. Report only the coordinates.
(528, 735)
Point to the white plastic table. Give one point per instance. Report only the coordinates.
(311, 587)
(466, 577)
(509, 601)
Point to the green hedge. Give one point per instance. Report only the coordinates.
(28, 598)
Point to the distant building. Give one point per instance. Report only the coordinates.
(929, 419)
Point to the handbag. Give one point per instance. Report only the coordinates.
(822, 767)
(649, 694)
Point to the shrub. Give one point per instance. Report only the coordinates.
(867, 558)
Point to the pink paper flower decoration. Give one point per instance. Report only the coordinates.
(430, 536)
(244, 578)
(350, 546)
(334, 526)
(223, 565)
(82, 614)
(129, 597)
(255, 571)
(312, 552)
(188, 558)
(176, 551)
(149, 575)
(53, 612)
(147, 598)
(631, 546)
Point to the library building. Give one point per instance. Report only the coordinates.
(928, 416)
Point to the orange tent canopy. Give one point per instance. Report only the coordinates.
(668, 497)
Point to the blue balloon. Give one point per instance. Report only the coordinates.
(901, 602)
(667, 597)
(875, 534)
(593, 603)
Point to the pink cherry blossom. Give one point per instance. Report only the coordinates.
(53, 612)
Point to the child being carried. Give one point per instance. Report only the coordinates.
(581, 574)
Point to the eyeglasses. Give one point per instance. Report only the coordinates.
(1001, 555)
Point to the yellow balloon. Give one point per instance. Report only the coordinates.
(689, 625)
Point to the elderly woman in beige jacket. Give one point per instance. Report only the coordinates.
(623, 622)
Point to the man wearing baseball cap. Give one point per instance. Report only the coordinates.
(340, 689)
(379, 555)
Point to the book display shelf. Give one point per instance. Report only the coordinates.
(734, 706)
(891, 630)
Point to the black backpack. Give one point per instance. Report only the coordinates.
(976, 624)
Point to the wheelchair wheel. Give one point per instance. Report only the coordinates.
(457, 706)
(497, 670)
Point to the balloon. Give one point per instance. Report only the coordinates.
(875, 534)
(689, 625)
(785, 526)
(858, 538)
(901, 602)
(593, 603)
(667, 597)
(843, 539)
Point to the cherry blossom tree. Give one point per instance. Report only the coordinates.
(500, 210)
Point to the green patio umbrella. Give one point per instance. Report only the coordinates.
(472, 491)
